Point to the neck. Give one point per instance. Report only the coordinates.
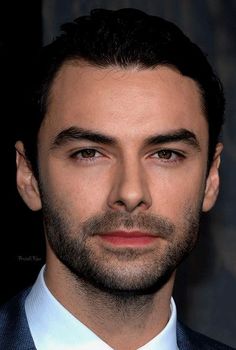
(123, 320)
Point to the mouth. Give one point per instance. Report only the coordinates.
(128, 238)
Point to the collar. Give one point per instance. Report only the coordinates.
(54, 327)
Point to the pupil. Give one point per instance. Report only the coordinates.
(88, 153)
(165, 154)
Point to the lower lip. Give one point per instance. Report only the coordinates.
(128, 240)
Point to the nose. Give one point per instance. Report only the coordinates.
(130, 190)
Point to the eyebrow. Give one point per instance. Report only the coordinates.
(180, 135)
(77, 134)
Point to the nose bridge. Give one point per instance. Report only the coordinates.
(130, 188)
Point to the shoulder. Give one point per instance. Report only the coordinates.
(14, 329)
(191, 340)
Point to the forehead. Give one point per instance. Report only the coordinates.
(124, 102)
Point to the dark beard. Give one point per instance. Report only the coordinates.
(71, 244)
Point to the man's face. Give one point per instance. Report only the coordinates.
(123, 167)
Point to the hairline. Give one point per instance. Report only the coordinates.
(81, 62)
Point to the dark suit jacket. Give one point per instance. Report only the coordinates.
(15, 333)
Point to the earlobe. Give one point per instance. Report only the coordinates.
(27, 184)
(213, 181)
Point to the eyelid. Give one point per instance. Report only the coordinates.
(75, 153)
(179, 154)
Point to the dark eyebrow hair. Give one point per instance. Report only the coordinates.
(74, 133)
(183, 135)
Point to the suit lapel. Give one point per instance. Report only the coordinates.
(16, 332)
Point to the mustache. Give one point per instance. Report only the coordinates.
(110, 221)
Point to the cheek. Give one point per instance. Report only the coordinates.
(79, 191)
(174, 191)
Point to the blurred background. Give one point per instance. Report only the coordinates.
(206, 282)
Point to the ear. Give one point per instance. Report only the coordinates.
(27, 184)
(213, 181)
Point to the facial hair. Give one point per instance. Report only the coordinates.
(125, 271)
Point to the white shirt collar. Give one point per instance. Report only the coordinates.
(53, 327)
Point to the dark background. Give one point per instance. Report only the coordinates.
(206, 283)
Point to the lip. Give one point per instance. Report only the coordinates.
(128, 238)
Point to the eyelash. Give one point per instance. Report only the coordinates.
(178, 156)
(76, 155)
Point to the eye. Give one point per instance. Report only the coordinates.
(168, 155)
(86, 154)
(165, 154)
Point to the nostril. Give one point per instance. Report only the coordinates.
(120, 203)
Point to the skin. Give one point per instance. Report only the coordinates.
(130, 175)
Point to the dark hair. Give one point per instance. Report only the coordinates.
(124, 38)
